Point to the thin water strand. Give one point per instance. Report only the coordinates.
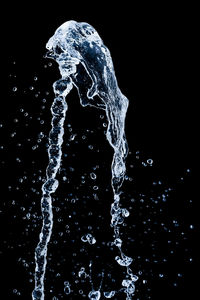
(58, 110)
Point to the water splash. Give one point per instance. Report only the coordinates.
(85, 62)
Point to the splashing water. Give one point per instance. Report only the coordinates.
(85, 62)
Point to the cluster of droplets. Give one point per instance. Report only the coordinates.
(88, 238)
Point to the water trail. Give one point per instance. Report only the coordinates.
(85, 62)
(58, 110)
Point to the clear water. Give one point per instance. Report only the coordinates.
(84, 62)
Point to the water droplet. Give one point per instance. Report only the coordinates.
(109, 294)
(118, 242)
(125, 261)
(93, 175)
(88, 238)
(94, 295)
(129, 284)
(67, 289)
(125, 212)
(150, 161)
(72, 137)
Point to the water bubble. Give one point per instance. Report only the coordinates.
(14, 89)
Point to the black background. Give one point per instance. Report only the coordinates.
(154, 54)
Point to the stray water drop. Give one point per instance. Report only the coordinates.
(93, 175)
(94, 295)
(109, 294)
(88, 238)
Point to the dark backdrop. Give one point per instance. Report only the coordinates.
(153, 50)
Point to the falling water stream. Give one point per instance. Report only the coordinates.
(84, 62)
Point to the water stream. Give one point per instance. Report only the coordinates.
(85, 63)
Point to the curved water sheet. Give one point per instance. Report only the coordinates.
(84, 62)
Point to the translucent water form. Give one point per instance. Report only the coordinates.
(84, 62)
